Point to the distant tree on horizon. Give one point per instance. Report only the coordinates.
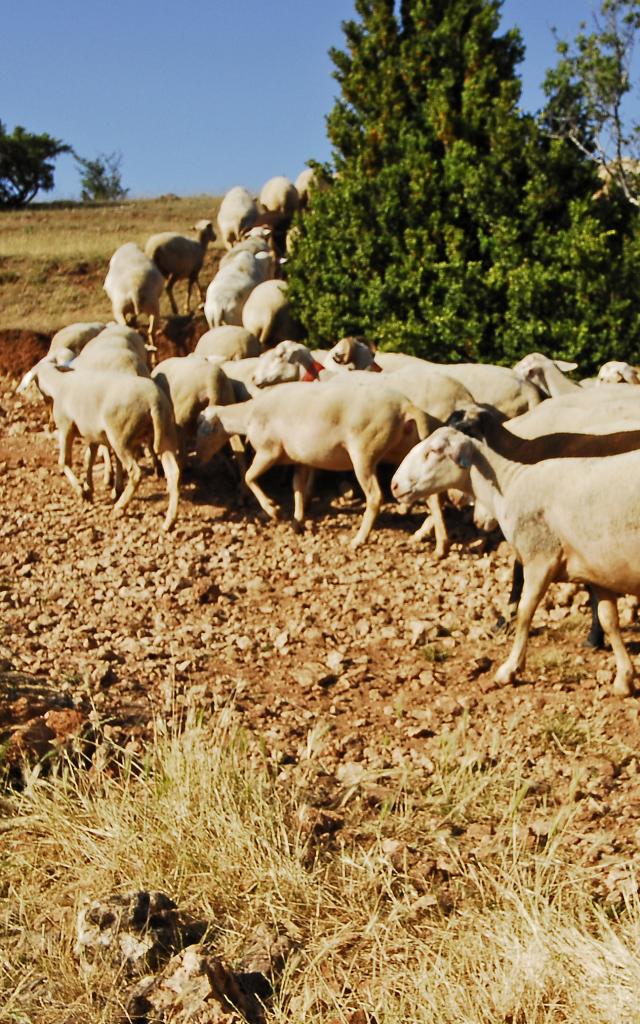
(26, 164)
(455, 227)
(101, 178)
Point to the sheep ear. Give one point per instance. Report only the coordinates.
(566, 367)
(263, 255)
(630, 376)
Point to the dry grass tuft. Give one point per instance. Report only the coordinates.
(389, 913)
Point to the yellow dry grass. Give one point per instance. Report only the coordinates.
(509, 936)
(54, 257)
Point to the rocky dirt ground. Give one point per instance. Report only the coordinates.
(381, 651)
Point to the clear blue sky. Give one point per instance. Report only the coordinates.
(200, 95)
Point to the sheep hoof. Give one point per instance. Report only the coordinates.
(623, 686)
(298, 525)
(441, 552)
(87, 495)
(505, 674)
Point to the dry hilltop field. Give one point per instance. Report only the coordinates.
(301, 746)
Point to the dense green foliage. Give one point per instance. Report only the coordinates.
(455, 226)
(101, 179)
(26, 164)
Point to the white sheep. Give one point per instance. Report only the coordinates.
(178, 257)
(286, 362)
(192, 383)
(115, 348)
(232, 285)
(566, 518)
(279, 195)
(75, 336)
(134, 285)
(488, 384)
(117, 409)
(267, 313)
(237, 214)
(253, 243)
(307, 182)
(617, 372)
(334, 427)
(228, 342)
(64, 345)
(547, 374)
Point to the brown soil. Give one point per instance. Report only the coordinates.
(381, 652)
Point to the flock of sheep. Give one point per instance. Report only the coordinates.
(553, 462)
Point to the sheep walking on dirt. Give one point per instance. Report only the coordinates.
(178, 257)
(117, 409)
(574, 519)
(192, 383)
(237, 214)
(134, 285)
(334, 427)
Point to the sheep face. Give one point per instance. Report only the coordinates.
(282, 364)
(436, 464)
(615, 372)
(532, 367)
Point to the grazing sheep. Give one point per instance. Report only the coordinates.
(115, 348)
(267, 313)
(117, 409)
(178, 257)
(334, 427)
(75, 336)
(574, 519)
(192, 383)
(279, 195)
(237, 214)
(232, 285)
(228, 342)
(134, 285)
(65, 344)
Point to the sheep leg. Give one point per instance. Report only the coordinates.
(151, 346)
(300, 492)
(169, 287)
(134, 473)
(118, 478)
(263, 461)
(596, 635)
(442, 537)
(89, 462)
(366, 477)
(172, 476)
(107, 467)
(537, 577)
(424, 530)
(504, 622)
(65, 442)
(608, 615)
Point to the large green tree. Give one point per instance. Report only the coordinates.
(455, 227)
(26, 164)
